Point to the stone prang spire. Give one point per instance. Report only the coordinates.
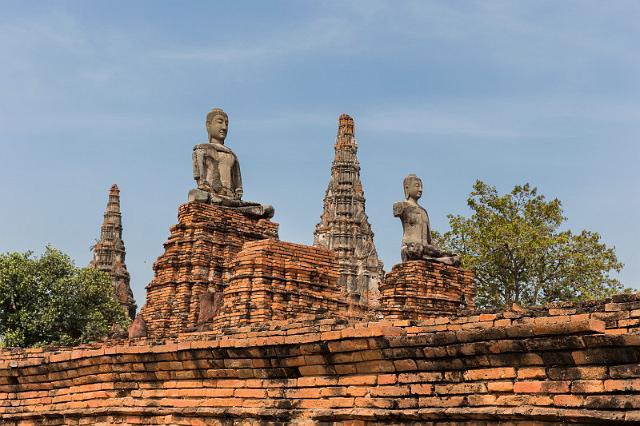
(109, 253)
(344, 226)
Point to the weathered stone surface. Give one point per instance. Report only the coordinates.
(344, 226)
(109, 253)
(416, 236)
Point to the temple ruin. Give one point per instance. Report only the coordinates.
(109, 253)
(242, 328)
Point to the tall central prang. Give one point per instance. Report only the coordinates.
(344, 226)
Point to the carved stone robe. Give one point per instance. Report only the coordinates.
(416, 236)
(218, 167)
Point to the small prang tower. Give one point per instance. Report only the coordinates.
(109, 253)
(344, 226)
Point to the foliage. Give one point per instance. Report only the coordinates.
(513, 244)
(47, 300)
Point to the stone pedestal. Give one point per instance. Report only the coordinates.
(272, 280)
(421, 289)
(195, 261)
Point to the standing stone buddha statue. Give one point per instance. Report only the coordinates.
(216, 171)
(416, 238)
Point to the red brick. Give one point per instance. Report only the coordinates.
(441, 401)
(358, 380)
(626, 385)
(250, 393)
(390, 391)
(541, 387)
(387, 379)
(623, 371)
(532, 373)
(500, 386)
(487, 317)
(384, 403)
(475, 400)
(568, 400)
(461, 388)
(419, 377)
(405, 365)
(587, 386)
(490, 373)
(348, 345)
(375, 367)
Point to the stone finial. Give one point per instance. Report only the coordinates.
(345, 126)
(344, 226)
(109, 252)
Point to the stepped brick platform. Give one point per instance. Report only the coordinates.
(273, 280)
(558, 364)
(420, 289)
(195, 261)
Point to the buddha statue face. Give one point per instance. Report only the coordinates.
(412, 187)
(217, 125)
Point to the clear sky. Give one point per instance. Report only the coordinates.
(100, 92)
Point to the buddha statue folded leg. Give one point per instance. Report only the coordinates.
(434, 253)
(199, 195)
(263, 211)
(247, 207)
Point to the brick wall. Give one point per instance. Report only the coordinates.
(561, 363)
(194, 262)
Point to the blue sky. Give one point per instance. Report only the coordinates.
(95, 93)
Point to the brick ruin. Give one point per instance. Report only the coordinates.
(109, 253)
(242, 328)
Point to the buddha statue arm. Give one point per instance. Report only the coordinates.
(197, 160)
(398, 209)
(428, 228)
(237, 180)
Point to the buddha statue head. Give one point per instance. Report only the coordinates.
(217, 125)
(412, 187)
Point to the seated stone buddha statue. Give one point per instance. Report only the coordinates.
(416, 238)
(216, 171)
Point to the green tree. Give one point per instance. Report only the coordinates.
(519, 255)
(47, 300)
